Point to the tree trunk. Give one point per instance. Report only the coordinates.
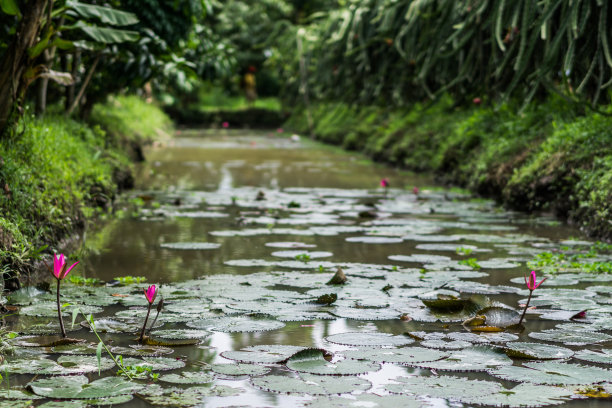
(76, 61)
(16, 61)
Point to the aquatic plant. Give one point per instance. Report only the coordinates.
(60, 271)
(150, 293)
(531, 285)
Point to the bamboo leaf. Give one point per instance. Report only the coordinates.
(106, 15)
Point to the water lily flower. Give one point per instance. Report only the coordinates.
(531, 282)
(225, 125)
(384, 183)
(279, 130)
(415, 190)
(60, 271)
(531, 285)
(476, 101)
(150, 293)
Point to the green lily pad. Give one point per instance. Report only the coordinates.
(469, 359)
(369, 339)
(188, 377)
(240, 369)
(264, 354)
(406, 355)
(553, 373)
(297, 253)
(523, 395)
(155, 363)
(603, 356)
(233, 324)
(79, 387)
(17, 394)
(569, 337)
(192, 396)
(310, 384)
(70, 364)
(49, 309)
(367, 400)
(289, 245)
(375, 240)
(313, 362)
(537, 351)
(447, 387)
(446, 345)
(182, 334)
(196, 246)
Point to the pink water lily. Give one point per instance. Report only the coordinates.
(531, 281)
(150, 293)
(384, 183)
(60, 270)
(531, 285)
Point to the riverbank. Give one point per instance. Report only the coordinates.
(542, 157)
(58, 174)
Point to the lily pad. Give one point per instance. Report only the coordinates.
(375, 240)
(523, 395)
(313, 362)
(182, 334)
(367, 400)
(603, 356)
(369, 339)
(79, 387)
(537, 351)
(188, 377)
(239, 369)
(569, 337)
(64, 365)
(406, 355)
(447, 387)
(311, 384)
(553, 373)
(196, 246)
(155, 363)
(289, 245)
(469, 359)
(264, 354)
(188, 397)
(233, 324)
(305, 254)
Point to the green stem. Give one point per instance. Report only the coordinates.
(144, 326)
(59, 311)
(93, 329)
(526, 306)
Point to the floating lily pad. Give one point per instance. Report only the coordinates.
(369, 339)
(446, 345)
(406, 355)
(537, 351)
(49, 309)
(264, 354)
(79, 387)
(196, 246)
(17, 394)
(64, 365)
(419, 258)
(289, 245)
(188, 397)
(239, 369)
(603, 356)
(232, 324)
(367, 400)
(188, 377)
(311, 384)
(113, 326)
(313, 362)
(469, 359)
(570, 337)
(182, 334)
(375, 240)
(443, 387)
(305, 254)
(553, 373)
(523, 395)
(155, 363)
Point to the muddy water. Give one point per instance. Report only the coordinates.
(203, 187)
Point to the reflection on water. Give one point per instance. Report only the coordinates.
(199, 183)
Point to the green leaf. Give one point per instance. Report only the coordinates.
(106, 15)
(99, 355)
(107, 35)
(10, 7)
(311, 384)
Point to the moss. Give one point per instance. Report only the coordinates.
(542, 156)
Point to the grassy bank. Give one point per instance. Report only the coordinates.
(57, 174)
(542, 157)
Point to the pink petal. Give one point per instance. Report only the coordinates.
(69, 269)
(542, 281)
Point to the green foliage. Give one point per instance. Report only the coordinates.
(81, 281)
(543, 156)
(399, 52)
(471, 262)
(570, 260)
(117, 115)
(128, 280)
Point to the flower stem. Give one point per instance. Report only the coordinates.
(93, 329)
(526, 306)
(59, 310)
(145, 324)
